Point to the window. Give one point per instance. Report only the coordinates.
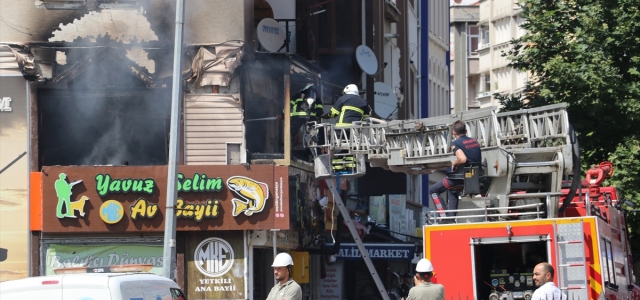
(485, 82)
(608, 271)
(337, 26)
(177, 294)
(485, 40)
(473, 35)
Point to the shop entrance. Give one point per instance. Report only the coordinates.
(263, 279)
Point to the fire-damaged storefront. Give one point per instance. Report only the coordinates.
(110, 215)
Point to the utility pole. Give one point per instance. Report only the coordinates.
(169, 249)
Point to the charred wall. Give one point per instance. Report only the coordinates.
(105, 115)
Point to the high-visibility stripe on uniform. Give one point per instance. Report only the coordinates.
(344, 109)
(296, 113)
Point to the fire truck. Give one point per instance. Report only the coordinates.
(517, 207)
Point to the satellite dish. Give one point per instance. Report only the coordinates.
(385, 101)
(271, 35)
(366, 60)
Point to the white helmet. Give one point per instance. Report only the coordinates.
(282, 260)
(351, 89)
(424, 265)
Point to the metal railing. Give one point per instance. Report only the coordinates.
(487, 213)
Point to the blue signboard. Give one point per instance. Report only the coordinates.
(388, 251)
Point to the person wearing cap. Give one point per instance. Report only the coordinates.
(407, 283)
(424, 289)
(286, 288)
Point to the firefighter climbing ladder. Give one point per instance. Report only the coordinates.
(572, 268)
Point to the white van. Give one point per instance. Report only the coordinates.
(72, 285)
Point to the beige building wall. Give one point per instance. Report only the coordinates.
(499, 23)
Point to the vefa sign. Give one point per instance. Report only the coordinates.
(5, 104)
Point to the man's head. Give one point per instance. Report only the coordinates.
(459, 128)
(424, 268)
(282, 267)
(408, 278)
(542, 273)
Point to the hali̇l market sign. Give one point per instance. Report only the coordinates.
(116, 199)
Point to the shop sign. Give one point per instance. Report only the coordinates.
(216, 266)
(5, 104)
(330, 287)
(132, 198)
(15, 220)
(67, 256)
(386, 251)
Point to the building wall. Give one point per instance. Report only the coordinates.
(438, 91)
(501, 20)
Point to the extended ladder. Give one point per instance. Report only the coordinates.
(356, 238)
(525, 142)
(572, 270)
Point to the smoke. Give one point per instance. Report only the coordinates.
(105, 149)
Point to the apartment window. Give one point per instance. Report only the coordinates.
(337, 28)
(484, 36)
(485, 80)
(473, 34)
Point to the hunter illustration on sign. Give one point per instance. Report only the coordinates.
(63, 191)
(254, 193)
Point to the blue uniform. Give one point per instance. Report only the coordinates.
(471, 149)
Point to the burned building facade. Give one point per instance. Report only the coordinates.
(98, 82)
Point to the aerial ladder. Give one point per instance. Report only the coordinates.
(529, 151)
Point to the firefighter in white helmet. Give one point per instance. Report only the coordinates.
(423, 288)
(287, 288)
(349, 108)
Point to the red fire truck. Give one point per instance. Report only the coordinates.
(587, 245)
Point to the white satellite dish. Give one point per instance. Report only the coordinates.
(385, 101)
(270, 34)
(366, 60)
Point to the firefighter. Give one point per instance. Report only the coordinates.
(467, 152)
(286, 288)
(543, 278)
(423, 288)
(349, 108)
(304, 107)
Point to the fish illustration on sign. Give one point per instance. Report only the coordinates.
(254, 193)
